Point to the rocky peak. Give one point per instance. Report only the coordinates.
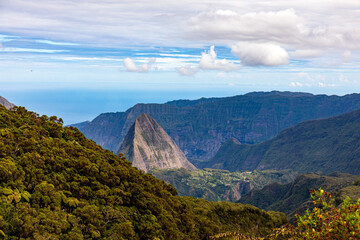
(148, 146)
(6, 103)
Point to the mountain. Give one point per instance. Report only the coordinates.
(294, 198)
(200, 127)
(6, 103)
(148, 146)
(326, 145)
(56, 184)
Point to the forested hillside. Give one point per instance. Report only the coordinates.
(325, 145)
(294, 198)
(199, 127)
(56, 184)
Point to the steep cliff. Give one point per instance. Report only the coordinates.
(148, 146)
(200, 127)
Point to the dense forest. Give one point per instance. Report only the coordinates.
(56, 184)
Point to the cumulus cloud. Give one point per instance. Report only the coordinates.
(209, 61)
(296, 30)
(260, 54)
(132, 67)
(187, 70)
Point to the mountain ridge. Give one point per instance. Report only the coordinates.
(200, 127)
(325, 145)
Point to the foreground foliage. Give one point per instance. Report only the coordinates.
(56, 184)
(329, 222)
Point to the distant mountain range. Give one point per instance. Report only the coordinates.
(326, 145)
(148, 146)
(200, 127)
(6, 103)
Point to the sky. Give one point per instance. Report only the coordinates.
(76, 59)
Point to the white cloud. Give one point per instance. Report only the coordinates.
(34, 50)
(253, 26)
(306, 53)
(209, 61)
(346, 56)
(296, 84)
(132, 67)
(56, 43)
(305, 33)
(187, 70)
(263, 54)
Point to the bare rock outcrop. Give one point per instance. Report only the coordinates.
(148, 146)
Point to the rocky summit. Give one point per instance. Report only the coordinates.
(6, 103)
(148, 146)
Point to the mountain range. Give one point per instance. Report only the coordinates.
(148, 146)
(325, 145)
(200, 127)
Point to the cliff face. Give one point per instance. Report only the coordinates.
(325, 145)
(148, 146)
(6, 103)
(201, 126)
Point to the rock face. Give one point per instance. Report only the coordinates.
(148, 146)
(6, 103)
(200, 127)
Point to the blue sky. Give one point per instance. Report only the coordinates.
(77, 59)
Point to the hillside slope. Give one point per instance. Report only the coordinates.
(201, 126)
(326, 145)
(148, 146)
(295, 198)
(56, 184)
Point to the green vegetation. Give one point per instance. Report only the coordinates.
(324, 222)
(56, 184)
(220, 185)
(294, 198)
(326, 145)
